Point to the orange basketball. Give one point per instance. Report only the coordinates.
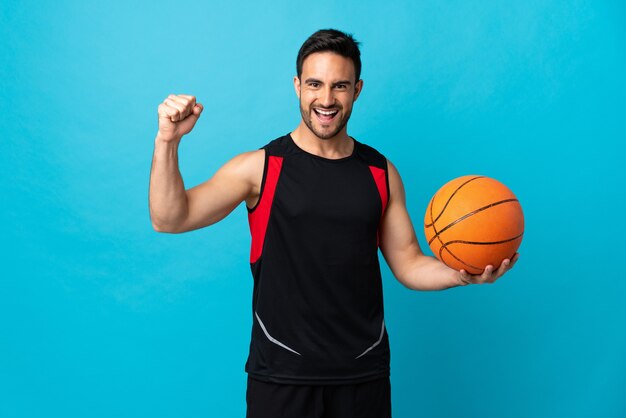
(474, 221)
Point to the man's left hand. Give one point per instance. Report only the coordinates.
(489, 275)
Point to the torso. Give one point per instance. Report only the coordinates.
(317, 299)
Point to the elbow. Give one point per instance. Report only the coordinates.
(158, 228)
(167, 229)
(165, 225)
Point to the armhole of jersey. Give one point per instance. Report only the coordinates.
(380, 175)
(263, 180)
(381, 180)
(259, 216)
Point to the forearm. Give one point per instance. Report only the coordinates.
(167, 196)
(428, 273)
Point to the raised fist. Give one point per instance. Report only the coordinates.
(178, 115)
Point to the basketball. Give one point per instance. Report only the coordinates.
(474, 221)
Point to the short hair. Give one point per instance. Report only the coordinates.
(334, 41)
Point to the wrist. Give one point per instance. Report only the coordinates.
(166, 140)
(165, 148)
(461, 281)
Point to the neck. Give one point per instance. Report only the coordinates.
(339, 146)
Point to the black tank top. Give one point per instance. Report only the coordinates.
(317, 300)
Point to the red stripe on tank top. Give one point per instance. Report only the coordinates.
(259, 218)
(381, 184)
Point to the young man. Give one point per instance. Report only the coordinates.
(320, 204)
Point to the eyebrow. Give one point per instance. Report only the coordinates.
(314, 80)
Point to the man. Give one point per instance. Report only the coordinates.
(320, 204)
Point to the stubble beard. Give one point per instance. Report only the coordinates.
(307, 117)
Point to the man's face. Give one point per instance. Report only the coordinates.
(326, 89)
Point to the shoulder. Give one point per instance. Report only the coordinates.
(246, 166)
(248, 158)
(253, 161)
(251, 164)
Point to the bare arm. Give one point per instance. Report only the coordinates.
(174, 209)
(401, 250)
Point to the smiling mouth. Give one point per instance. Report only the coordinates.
(325, 115)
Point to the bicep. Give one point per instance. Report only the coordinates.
(211, 201)
(398, 242)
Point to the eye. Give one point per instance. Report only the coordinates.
(341, 86)
(314, 84)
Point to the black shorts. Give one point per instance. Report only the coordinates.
(360, 400)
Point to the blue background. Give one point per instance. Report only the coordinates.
(101, 316)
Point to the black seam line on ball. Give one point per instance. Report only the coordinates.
(435, 228)
(441, 213)
(474, 212)
(449, 199)
(445, 246)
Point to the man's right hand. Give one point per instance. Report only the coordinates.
(178, 115)
(174, 209)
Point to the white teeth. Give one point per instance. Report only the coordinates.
(326, 112)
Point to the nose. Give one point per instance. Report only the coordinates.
(327, 98)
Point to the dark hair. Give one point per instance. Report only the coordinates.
(334, 41)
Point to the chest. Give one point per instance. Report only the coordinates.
(327, 194)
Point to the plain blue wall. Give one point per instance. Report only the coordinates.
(100, 316)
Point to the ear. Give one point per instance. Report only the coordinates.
(296, 85)
(357, 89)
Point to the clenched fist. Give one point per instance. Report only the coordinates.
(177, 116)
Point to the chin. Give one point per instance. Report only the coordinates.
(327, 135)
